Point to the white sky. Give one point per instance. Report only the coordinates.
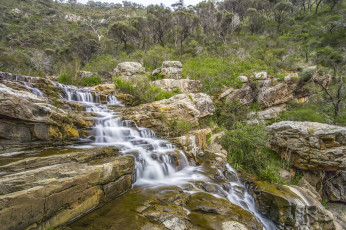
(148, 2)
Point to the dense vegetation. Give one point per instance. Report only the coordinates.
(216, 41)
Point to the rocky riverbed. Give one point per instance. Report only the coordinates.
(78, 159)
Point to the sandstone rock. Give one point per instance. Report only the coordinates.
(245, 95)
(73, 18)
(310, 145)
(53, 190)
(129, 69)
(170, 69)
(271, 96)
(29, 120)
(184, 85)
(290, 206)
(194, 142)
(335, 187)
(261, 75)
(106, 88)
(168, 208)
(259, 117)
(244, 79)
(84, 74)
(160, 115)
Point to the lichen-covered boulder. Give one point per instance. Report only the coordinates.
(170, 69)
(183, 85)
(310, 145)
(129, 69)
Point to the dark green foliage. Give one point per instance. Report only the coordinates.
(90, 81)
(65, 79)
(229, 113)
(247, 150)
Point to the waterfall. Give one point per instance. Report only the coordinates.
(157, 161)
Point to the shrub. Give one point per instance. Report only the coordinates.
(229, 113)
(247, 150)
(142, 90)
(90, 81)
(306, 75)
(100, 64)
(65, 78)
(181, 127)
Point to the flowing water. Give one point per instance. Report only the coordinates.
(157, 161)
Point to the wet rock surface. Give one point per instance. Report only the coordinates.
(167, 208)
(45, 192)
(290, 206)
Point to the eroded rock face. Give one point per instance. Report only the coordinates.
(129, 69)
(271, 96)
(27, 119)
(290, 206)
(310, 145)
(43, 193)
(184, 85)
(170, 69)
(160, 115)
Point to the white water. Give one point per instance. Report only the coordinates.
(157, 161)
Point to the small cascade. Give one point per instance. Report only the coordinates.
(157, 161)
(33, 90)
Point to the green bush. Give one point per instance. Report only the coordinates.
(64, 78)
(141, 89)
(181, 127)
(306, 75)
(100, 64)
(217, 73)
(229, 113)
(247, 150)
(90, 81)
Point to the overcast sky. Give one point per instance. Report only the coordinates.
(148, 2)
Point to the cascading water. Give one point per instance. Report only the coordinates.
(157, 161)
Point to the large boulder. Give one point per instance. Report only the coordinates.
(163, 116)
(184, 85)
(271, 96)
(128, 69)
(43, 193)
(170, 69)
(310, 145)
(290, 207)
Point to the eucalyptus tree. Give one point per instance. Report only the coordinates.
(227, 24)
(282, 11)
(122, 31)
(256, 20)
(159, 21)
(186, 21)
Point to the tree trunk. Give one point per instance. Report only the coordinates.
(317, 5)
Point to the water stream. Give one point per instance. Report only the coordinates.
(157, 161)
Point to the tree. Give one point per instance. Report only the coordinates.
(186, 22)
(227, 24)
(256, 20)
(333, 3)
(335, 94)
(123, 31)
(84, 45)
(160, 22)
(141, 26)
(281, 13)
